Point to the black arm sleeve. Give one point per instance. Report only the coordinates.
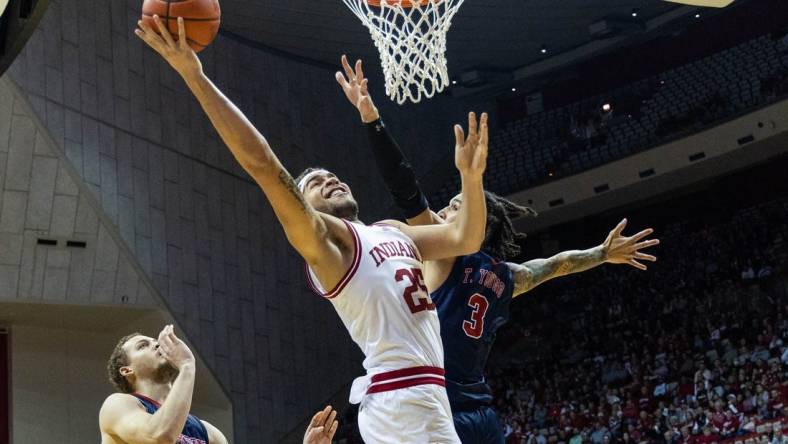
(396, 171)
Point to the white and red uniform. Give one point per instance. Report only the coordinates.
(386, 308)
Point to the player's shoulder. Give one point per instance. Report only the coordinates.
(120, 399)
(116, 405)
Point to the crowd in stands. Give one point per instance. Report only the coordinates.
(587, 133)
(694, 351)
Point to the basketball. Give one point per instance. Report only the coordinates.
(201, 19)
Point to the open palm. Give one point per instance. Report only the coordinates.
(621, 249)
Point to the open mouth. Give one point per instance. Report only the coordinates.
(336, 192)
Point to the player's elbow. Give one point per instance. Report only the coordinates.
(261, 169)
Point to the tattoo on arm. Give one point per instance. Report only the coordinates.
(532, 273)
(287, 180)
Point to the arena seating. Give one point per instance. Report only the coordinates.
(570, 139)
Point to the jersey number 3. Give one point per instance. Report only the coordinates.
(475, 327)
(416, 295)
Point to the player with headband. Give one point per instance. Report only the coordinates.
(372, 274)
(472, 292)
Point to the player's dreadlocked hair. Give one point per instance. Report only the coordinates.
(501, 240)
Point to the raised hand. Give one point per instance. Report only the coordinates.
(178, 54)
(354, 84)
(619, 249)
(322, 427)
(173, 349)
(470, 153)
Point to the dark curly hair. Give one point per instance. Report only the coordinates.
(501, 240)
(118, 359)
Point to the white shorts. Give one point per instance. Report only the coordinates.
(414, 415)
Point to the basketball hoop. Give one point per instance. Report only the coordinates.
(411, 38)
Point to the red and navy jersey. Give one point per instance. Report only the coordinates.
(194, 431)
(473, 303)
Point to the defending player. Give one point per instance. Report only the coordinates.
(155, 381)
(473, 292)
(371, 274)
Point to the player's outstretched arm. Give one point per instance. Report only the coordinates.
(123, 417)
(616, 249)
(304, 227)
(465, 234)
(393, 166)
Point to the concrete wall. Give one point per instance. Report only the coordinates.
(40, 200)
(195, 225)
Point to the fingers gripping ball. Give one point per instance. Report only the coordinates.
(201, 19)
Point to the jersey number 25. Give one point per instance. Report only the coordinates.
(416, 295)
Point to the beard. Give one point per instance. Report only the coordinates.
(165, 373)
(344, 209)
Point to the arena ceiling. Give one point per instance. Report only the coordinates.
(486, 34)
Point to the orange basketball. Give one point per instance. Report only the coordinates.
(200, 17)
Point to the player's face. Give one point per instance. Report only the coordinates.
(145, 360)
(327, 194)
(450, 211)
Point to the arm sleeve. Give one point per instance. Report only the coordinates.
(396, 171)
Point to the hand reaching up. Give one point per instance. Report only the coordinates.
(354, 84)
(470, 153)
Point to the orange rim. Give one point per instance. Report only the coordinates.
(404, 3)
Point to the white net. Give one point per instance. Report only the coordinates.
(411, 39)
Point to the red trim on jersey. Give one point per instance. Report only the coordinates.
(406, 377)
(396, 385)
(348, 274)
(412, 371)
(152, 401)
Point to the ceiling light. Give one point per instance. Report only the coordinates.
(697, 16)
(544, 49)
(514, 89)
(634, 12)
(453, 82)
(606, 107)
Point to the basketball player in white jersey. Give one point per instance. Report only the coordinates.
(371, 274)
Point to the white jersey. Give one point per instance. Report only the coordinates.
(383, 302)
